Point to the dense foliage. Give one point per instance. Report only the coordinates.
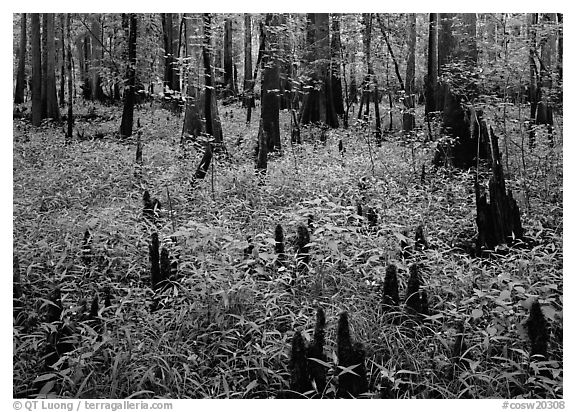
(225, 325)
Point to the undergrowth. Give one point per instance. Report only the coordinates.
(223, 326)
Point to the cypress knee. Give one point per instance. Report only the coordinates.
(350, 354)
(316, 351)
(165, 266)
(413, 302)
(299, 374)
(390, 295)
(537, 331)
(154, 253)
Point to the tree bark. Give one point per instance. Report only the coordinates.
(36, 70)
(62, 90)
(247, 60)
(193, 126)
(229, 89)
(270, 122)
(432, 76)
(70, 118)
(21, 74)
(320, 104)
(96, 61)
(52, 109)
(457, 62)
(171, 80)
(213, 126)
(128, 112)
(44, 90)
(560, 48)
(253, 83)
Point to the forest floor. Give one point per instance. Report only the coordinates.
(224, 326)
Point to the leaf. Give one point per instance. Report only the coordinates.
(45, 377)
(477, 313)
(251, 386)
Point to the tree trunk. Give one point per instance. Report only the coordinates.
(247, 60)
(62, 93)
(228, 65)
(353, 92)
(320, 104)
(457, 61)
(36, 70)
(560, 47)
(21, 75)
(128, 112)
(44, 90)
(287, 73)
(171, 81)
(408, 118)
(70, 118)
(213, 126)
(270, 121)
(432, 76)
(193, 126)
(253, 83)
(52, 109)
(336, 49)
(96, 63)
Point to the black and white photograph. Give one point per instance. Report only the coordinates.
(287, 205)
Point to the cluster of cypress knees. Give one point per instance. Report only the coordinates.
(307, 363)
(308, 368)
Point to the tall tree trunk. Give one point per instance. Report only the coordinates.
(270, 85)
(287, 73)
(408, 119)
(21, 75)
(457, 61)
(544, 112)
(228, 64)
(176, 52)
(560, 48)
(432, 76)
(44, 90)
(61, 95)
(52, 109)
(36, 70)
(128, 112)
(96, 63)
(253, 83)
(171, 80)
(213, 126)
(269, 130)
(353, 92)
(247, 60)
(193, 126)
(70, 118)
(335, 63)
(320, 104)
